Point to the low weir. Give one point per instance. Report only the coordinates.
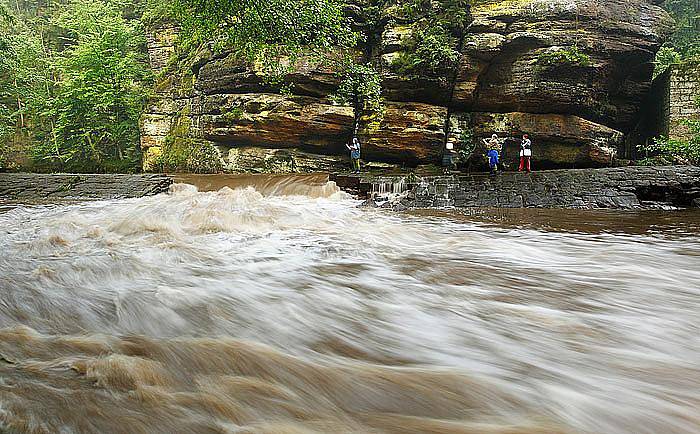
(621, 187)
(39, 187)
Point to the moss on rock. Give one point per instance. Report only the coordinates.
(183, 152)
(153, 159)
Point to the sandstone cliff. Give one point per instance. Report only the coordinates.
(572, 73)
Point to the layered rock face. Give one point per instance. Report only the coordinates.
(571, 73)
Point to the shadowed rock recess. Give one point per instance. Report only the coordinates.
(513, 75)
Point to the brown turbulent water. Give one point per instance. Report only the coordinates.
(285, 308)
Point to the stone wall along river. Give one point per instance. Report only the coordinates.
(33, 186)
(628, 187)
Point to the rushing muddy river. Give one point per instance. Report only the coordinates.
(285, 307)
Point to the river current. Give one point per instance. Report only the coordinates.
(279, 305)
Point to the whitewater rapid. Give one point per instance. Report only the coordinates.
(283, 306)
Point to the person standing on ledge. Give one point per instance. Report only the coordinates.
(493, 161)
(493, 143)
(525, 153)
(494, 152)
(354, 148)
(448, 157)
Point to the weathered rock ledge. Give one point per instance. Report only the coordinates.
(513, 74)
(624, 187)
(32, 186)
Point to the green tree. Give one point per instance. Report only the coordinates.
(687, 15)
(91, 120)
(684, 44)
(361, 89)
(23, 81)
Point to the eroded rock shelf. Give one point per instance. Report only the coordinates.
(579, 114)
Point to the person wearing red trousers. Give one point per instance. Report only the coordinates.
(525, 153)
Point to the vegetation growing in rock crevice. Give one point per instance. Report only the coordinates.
(234, 114)
(428, 50)
(361, 89)
(570, 56)
(433, 45)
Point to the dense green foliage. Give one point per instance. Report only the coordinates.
(74, 79)
(684, 44)
(449, 14)
(687, 15)
(433, 45)
(284, 27)
(664, 150)
(23, 71)
(360, 88)
(103, 84)
(428, 50)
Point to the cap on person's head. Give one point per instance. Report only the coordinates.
(494, 136)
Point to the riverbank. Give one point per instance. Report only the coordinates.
(35, 186)
(620, 187)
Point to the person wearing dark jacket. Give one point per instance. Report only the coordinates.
(354, 148)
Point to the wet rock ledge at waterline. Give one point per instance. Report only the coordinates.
(31, 186)
(628, 187)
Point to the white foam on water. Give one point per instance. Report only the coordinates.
(591, 332)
